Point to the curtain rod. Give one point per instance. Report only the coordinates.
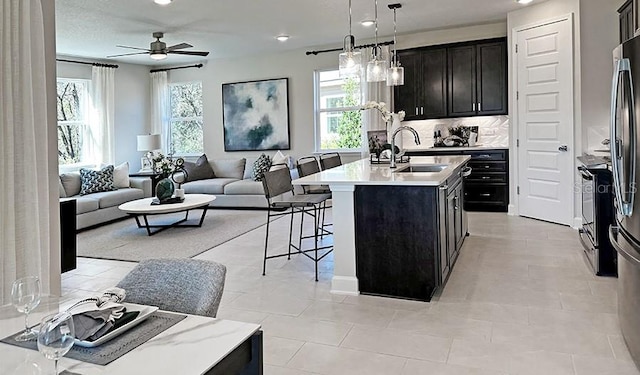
(88, 63)
(178, 67)
(356, 47)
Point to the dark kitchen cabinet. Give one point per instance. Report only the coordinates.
(68, 243)
(423, 94)
(454, 80)
(625, 14)
(477, 79)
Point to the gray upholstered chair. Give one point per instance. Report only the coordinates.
(187, 286)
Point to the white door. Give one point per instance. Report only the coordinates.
(545, 122)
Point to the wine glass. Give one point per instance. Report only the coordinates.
(56, 336)
(25, 296)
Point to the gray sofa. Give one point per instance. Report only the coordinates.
(97, 208)
(233, 185)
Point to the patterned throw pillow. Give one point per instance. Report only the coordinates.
(96, 181)
(261, 165)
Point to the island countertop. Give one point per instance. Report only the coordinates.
(362, 172)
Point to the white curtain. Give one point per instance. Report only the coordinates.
(99, 139)
(24, 133)
(160, 107)
(375, 91)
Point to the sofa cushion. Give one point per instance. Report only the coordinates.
(117, 197)
(228, 168)
(260, 166)
(200, 170)
(210, 186)
(71, 182)
(61, 192)
(121, 175)
(244, 187)
(95, 181)
(86, 204)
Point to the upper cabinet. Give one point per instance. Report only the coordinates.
(627, 24)
(456, 80)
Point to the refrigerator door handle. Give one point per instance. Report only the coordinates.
(625, 206)
(613, 236)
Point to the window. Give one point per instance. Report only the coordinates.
(72, 101)
(186, 135)
(338, 115)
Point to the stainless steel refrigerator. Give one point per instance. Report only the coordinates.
(625, 234)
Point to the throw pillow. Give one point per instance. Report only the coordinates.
(71, 182)
(280, 158)
(61, 192)
(200, 170)
(121, 175)
(261, 165)
(96, 181)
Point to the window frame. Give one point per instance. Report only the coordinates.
(83, 123)
(171, 120)
(318, 111)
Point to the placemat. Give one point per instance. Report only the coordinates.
(118, 346)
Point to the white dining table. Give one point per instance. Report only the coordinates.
(195, 345)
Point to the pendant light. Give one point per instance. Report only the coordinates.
(350, 60)
(377, 67)
(395, 75)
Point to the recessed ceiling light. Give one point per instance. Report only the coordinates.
(282, 38)
(367, 23)
(523, 1)
(162, 2)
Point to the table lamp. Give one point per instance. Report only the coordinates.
(148, 143)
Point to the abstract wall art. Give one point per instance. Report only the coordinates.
(255, 115)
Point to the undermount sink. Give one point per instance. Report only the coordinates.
(423, 168)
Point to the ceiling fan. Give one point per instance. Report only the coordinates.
(158, 50)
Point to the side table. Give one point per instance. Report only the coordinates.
(154, 176)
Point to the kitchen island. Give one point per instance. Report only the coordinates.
(397, 232)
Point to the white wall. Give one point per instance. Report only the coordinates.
(299, 68)
(599, 35)
(131, 105)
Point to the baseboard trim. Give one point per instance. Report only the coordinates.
(345, 285)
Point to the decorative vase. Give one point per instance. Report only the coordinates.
(164, 189)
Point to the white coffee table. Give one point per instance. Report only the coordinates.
(143, 207)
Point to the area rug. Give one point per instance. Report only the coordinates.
(123, 240)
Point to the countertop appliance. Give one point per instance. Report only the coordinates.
(597, 214)
(625, 235)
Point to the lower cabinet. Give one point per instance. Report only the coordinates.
(407, 237)
(68, 235)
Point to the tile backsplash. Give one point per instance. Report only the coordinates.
(493, 131)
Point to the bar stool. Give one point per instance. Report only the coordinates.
(330, 160)
(277, 183)
(307, 166)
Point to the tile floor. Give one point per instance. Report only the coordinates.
(520, 300)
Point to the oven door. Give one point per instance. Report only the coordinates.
(588, 203)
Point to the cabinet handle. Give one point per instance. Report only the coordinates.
(487, 166)
(485, 195)
(421, 110)
(486, 178)
(416, 111)
(479, 107)
(474, 107)
(444, 187)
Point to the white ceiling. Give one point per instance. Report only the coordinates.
(227, 28)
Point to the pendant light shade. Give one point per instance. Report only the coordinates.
(395, 76)
(377, 66)
(350, 60)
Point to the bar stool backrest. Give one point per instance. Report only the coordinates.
(330, 160)
(277, 181)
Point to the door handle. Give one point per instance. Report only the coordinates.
(563, 148)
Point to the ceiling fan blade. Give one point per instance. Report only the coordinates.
(129, 54)
(193, 53)
(141, 49)
(179, 46)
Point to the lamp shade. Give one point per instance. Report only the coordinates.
(149, 142)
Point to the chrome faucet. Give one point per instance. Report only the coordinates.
(393, 142)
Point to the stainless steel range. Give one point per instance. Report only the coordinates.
(597, 214)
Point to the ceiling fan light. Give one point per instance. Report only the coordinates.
(162, 2)
(367, 23)
(395, 75)
(282, 38)
(158, 55)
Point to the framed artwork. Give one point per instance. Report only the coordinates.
(255, 115)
